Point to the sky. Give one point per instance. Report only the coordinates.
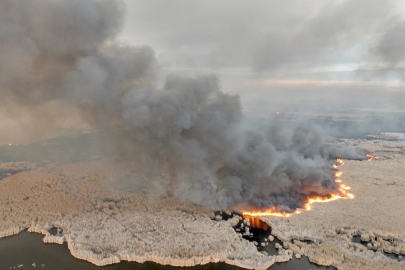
(321, 53)
(78, 63)
(270, 37)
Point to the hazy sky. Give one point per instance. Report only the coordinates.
(262, 50)
(270, 36)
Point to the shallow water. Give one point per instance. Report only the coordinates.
(27, 248)
(357, 239)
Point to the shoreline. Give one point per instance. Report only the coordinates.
(105, 226)
(87, 256)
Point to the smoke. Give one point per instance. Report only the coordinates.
(270, 36)
(188, 130)
(390, 48)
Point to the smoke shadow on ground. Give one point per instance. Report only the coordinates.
(8, 172)
(72, 148)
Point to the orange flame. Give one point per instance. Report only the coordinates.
(340, 161)
(343, 194)
(371, 157)
(268, 212)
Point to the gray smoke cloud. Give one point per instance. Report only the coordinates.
(390, 48)
(65, 53)
(271, 35)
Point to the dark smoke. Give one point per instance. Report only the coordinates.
(65, 52)
(391, 46)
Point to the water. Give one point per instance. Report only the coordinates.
(27, 248)
(357, 239)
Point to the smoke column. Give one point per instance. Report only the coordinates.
(65, 53)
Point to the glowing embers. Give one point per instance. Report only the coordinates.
(340, 194)
(371, 157)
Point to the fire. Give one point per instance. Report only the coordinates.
(312, 200)
(256, 223)
(348, 195)
(340, 161)
(371, 157)
(268, 212)
(342, 194)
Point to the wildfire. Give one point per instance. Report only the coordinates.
(340, 161)
(371, 157)
(343, 194)
(256, 223)
(312, 200)
(268, 212)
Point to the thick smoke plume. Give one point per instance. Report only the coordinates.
(65, 53)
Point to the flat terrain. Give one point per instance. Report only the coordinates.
(104, 225)
(376, 215)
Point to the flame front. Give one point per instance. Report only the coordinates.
(371, 157)
(342, 194)
(268, 212)
(340, 161)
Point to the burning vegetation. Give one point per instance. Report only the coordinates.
(341, 194)
(184, 127)
(371, 157)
